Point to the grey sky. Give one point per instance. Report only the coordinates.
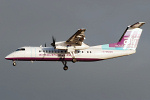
(33, 22)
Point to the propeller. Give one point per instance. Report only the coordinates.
(53, 44)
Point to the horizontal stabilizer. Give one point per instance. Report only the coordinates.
(137, 25)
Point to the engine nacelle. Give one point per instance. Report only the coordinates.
(65, 46)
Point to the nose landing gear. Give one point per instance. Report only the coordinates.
(14, 63)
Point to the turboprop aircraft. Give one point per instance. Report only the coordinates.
(75, 50)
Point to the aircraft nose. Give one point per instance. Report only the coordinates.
(9, 57)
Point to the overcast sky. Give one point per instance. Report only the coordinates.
(33, 22)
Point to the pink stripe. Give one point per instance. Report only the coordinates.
(53, 59)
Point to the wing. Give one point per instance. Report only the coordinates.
(77, 38)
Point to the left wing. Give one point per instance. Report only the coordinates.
(77, 38)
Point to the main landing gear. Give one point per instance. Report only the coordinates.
(65, 68)
(73, 56)
(74, 60)
(14, 63)
(65, 65)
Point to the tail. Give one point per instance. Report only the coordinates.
(129, 40)
(131, 36)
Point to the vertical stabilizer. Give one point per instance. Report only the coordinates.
(129, 40)
(131, 36)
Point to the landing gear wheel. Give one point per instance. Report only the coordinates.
(74, 60)
(14, 63)
(65, 68)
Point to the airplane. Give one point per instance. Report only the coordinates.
(75, 50)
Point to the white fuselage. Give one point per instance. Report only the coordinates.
(50, 54)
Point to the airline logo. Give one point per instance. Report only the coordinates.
(132, 39)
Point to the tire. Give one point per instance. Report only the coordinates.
(65, 68)
(74, 60)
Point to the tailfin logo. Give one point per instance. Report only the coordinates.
(132, 41)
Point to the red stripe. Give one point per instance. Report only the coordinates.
(52, 59)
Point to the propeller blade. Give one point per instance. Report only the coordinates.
(53, 44)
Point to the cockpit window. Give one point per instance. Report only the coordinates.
(21, 49)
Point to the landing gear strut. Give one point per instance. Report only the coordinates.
(73, 56)
(14, 63)
(65, 65)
